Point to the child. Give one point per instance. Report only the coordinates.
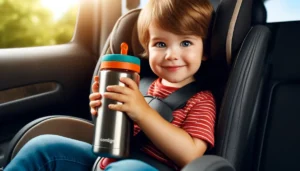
(173, 34)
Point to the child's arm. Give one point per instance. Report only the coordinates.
(174, 142)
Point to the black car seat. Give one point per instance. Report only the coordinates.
(237, 46)
(277, 142)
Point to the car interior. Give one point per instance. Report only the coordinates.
(45, 90)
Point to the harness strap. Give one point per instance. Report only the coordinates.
(178, 99)
(166, 106)
(175, 100)
(145, 84)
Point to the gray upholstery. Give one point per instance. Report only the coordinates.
(66, 126)
(209, 163)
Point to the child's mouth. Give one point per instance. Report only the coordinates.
(172, 68)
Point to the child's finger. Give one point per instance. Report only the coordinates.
(95, 96)
(94, 106)
(93, 111)
(95, 103)
(96, 78)
(95, 87)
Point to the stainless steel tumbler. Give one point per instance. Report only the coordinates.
(114, 129)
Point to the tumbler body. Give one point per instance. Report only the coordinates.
(113, 129)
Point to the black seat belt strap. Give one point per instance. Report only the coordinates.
(145, 84)
(178, 99)
(174, 101)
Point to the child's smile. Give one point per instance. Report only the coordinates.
(173, 68)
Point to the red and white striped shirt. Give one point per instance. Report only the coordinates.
(197, 118)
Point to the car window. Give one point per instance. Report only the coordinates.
(282, 10)
(25, 23)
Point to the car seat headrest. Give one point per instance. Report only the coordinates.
(125, 30)
(233, 20)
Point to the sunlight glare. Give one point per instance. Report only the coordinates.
(58, 7)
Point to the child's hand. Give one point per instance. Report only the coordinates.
(133, 101)
(95, 97)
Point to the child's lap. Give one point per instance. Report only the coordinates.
(49, 147)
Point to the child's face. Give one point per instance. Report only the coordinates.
(174, 58)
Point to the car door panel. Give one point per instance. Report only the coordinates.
(61, 73)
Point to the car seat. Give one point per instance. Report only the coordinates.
(238, 46)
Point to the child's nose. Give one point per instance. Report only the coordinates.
(172, 55)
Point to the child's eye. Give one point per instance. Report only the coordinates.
(185, 43)
(160, 44)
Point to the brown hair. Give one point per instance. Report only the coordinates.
(182, 17)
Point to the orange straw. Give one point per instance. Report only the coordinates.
(124, 48)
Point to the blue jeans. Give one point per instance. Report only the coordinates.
(52, 152)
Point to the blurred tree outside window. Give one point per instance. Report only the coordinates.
(27, 23)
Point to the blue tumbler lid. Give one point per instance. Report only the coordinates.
(119, 61)
(121, 58)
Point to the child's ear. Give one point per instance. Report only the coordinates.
(204, 58)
